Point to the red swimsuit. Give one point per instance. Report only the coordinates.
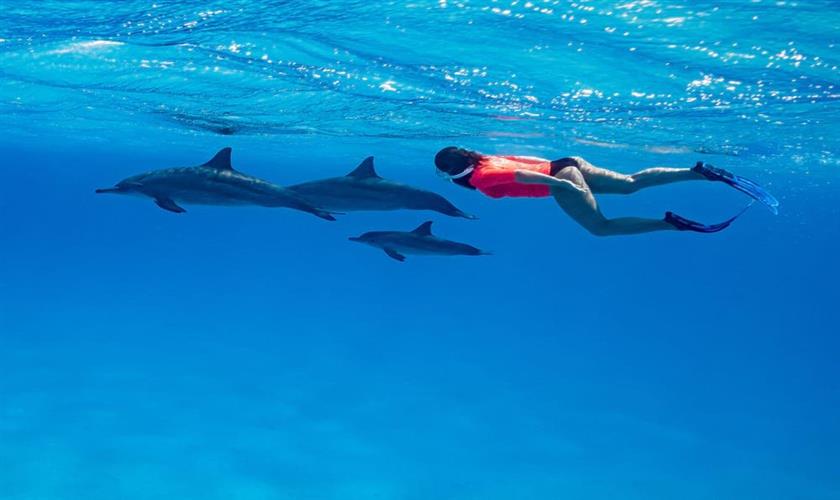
(495, 176)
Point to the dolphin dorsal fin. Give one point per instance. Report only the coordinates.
(424, 229)
(364, 170)
(221, 160)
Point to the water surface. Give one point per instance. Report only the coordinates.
(257, 354)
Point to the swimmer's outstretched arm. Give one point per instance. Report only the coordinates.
(531, 177)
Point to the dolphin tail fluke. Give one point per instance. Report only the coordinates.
(324, 215)
(453, 211)
(304, 206)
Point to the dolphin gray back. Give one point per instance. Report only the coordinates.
(363, 189)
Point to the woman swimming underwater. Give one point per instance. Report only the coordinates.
(573, 182)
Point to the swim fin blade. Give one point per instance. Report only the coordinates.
(742, 184)
(683, 224)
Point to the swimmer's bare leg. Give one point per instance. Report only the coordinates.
(556, 182)
(605, 181)
(581, 206)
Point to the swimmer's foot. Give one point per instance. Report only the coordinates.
(683, 224)
(742, 184)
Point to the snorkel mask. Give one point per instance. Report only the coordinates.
(455, 159)
(452, 177)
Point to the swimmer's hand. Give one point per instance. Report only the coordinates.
(531, 177)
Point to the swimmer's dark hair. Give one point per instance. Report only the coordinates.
(454, 160)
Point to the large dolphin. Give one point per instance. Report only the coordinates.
(363, 189)
(213, 183)
(421, 241)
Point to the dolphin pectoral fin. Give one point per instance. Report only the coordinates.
(168, 204)
(395, 255)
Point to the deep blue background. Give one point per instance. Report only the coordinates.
(252, 353)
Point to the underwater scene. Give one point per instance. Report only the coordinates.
(411, 250)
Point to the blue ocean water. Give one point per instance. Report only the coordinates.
(251, 353)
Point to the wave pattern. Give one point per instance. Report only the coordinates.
(716, 77)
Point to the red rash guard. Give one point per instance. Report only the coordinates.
(495, 176)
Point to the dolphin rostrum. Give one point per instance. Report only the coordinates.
(213, 183)
(421, 241)
(363, 189)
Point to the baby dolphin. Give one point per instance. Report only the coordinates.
(417, 242)
(363, 189)
(213, 183)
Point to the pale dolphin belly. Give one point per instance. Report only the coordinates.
(198, 197)
(428, 247)
(211, 191)
(350, 198)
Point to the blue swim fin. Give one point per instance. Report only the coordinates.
(684, 224)
(742, 184)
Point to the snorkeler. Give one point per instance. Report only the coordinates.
(573, 182)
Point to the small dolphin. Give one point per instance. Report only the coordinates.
(363, 189)
(213, 183)
(417, 242)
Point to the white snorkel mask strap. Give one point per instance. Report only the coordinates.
(467, 171)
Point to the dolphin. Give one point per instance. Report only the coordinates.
(420, 241)
(363, 189)
(212, 183)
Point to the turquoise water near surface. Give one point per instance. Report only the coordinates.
(251, 353)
